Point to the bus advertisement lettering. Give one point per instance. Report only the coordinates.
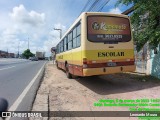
(106, 28)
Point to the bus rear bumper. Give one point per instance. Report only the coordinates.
(108, 70)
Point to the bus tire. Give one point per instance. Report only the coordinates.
(67, 72)
(57, 65)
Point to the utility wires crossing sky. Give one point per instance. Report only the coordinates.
(94, 5)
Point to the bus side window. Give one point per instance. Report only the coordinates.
(70, 45)
(79, 41)
(79, 29)
(79, 35)
(64, 44)
(70, 41)
(62, 47)
(57, 49)
(74, 38)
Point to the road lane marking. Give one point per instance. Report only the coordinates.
(7, 68)
(8, 62)
(20, 98)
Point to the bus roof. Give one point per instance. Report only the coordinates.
(90, 13)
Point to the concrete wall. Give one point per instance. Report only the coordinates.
(155, 62)
(150, 63)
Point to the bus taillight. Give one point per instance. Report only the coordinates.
(129, 59)
(84, 62)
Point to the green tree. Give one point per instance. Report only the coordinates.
(146, 21)
(27, 53)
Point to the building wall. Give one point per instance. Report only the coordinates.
(11, 55)
(3, 54)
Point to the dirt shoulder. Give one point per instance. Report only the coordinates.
(58, 93)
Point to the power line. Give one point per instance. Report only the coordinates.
(94, 6)
(88, 3)
(102, 6)
(85, 6)
(94, 3)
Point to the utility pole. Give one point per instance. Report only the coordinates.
(60, 31)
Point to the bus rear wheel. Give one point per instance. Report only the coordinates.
(67, 72)
(57, 65)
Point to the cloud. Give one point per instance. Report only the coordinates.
(115, 11)
(32, 18)
(23, 26)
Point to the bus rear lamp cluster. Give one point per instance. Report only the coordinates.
(84, 62)
(94, 61)
(85, 66)
(111, 60)
(129, 59)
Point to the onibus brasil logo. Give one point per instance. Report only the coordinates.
(104, 26)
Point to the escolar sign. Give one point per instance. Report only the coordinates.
(110, 54)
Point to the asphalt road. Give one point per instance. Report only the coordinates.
(15, 75)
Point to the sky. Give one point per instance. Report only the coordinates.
(33, 22)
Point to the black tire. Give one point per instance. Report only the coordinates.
(68, 74)
(57, 66)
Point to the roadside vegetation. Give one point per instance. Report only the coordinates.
(146, 21)
(27, 53)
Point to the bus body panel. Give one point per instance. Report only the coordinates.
(98, 54)
(108, 70)
(73, 59)
(100, 58)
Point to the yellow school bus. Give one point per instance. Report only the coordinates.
(97, 44)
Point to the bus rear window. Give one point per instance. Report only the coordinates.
(108, 29)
